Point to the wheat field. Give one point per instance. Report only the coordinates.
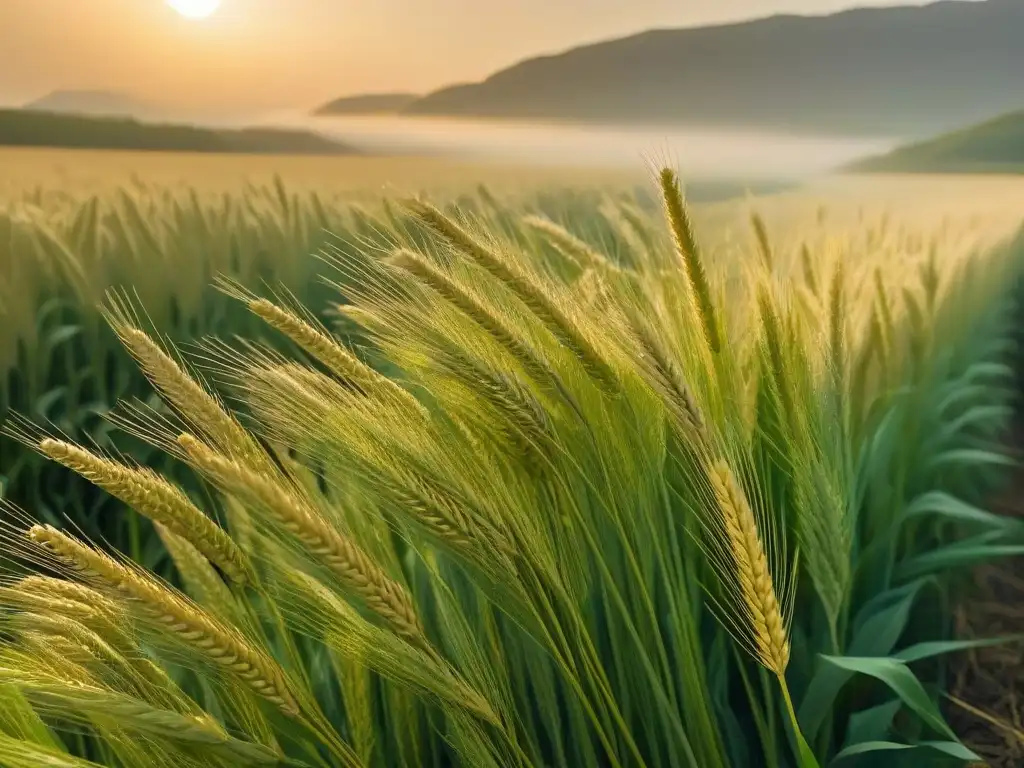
(526, 469)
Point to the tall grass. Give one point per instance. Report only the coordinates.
(579, 497)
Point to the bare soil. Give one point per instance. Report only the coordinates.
(986, 706)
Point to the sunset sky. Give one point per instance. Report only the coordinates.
(264, 55)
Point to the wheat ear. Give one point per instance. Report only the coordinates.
(201, 581)
(190, 399)
(353, 567)
(760, 604)
(529, 290)
(339, 360)
(689, 255)
(764, 245)
(187, 623)
(667, 380)
(153, 497)
(469, 304)
(570, 245)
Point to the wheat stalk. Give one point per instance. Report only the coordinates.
(526, 288)
(354, 568)
(689, 255)
(185, 622)
(153, 497)
(760, 604)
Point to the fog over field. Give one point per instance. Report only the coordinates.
(704, 153)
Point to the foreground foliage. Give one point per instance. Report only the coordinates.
(61, 363)
(624, 509)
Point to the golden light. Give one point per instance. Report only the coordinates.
(194, 9)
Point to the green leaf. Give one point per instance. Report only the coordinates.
(947, 506)
(880, 623)
(938, 648)
(45, 403)
(61, 334)
(970, 457)
(898, 677)
(963, 554)
(872, 724)
(20, 720)
(953, 749)
(877, 629)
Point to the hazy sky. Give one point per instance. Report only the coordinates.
(280, 54)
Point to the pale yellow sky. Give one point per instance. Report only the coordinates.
(263, 55)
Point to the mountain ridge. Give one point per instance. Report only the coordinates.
(94, 103)
(930, 68)
(36, 128)
(366, 104)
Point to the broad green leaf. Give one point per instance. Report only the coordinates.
(898, 677)
(877, 629)
(963, 554)
(872, 724)
(947, 506)
(969, 457)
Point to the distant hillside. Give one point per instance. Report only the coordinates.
(996, 146)
(94, 104)
(367, 104)
(904, 71)
(28, 128)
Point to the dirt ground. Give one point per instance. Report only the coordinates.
(986, 705)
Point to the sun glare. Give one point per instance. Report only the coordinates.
(194, 9)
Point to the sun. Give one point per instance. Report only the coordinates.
(194, 9)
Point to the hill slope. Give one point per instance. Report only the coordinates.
(367, 104)
(28, 128)
(904, 71)
(94, 104)
(996, 146)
